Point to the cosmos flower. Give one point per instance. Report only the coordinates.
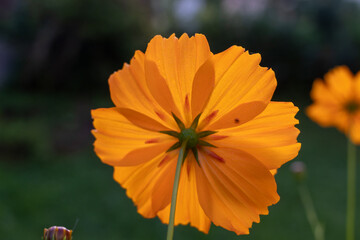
(337, 102)
(221, 105)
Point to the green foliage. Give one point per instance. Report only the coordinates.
(66, 184)
(74, 45)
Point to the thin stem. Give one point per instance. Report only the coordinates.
(351, 191)
(316, 226)
(170, 232)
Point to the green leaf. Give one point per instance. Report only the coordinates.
(178, 121)
(195, 123)
(205, 133)
(196, 155)
(173, 147)
(203, 143)
(171, 133)
(185, 154)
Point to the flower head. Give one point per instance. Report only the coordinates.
(57, 233)
(220, 105)
(337, 102)
(298, 169)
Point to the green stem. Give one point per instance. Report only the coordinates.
(316, 226)
(351, 191)
(170, 232)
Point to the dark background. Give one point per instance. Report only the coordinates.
(56, 57)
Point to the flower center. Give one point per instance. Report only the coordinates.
(190, 135)
(352, 107)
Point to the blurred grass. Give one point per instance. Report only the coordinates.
(49, 176)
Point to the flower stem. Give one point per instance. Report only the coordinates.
(170, 232)
(316, 226)
(351, 191)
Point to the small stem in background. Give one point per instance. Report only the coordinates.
(351, 191)
(170, 232)
(316, 226)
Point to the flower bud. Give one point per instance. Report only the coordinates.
(298, 169)
(57, 233)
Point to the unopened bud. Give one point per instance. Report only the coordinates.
(298, 169)
(57, 233)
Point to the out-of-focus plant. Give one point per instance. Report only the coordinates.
(298, 169)
(71, 44)
(337, 104)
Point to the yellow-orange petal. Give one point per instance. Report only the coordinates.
(162, 191)
(329, 115)
(124, 85)
(178, 60)
(188, 209)
(144, 154)
(322, 94)
(233, 193)
(202, 88)
(276, 123)
(142, 120)
(128, 89)
(239, 79)
(118, 141)
(239, 115)
(159, 88)
(139, 182)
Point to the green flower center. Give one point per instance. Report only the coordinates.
(352, 107)
(190, 136)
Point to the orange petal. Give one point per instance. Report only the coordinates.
(162, 191)
(239, 115)
(188, 209)
(329, 115)
(142, 120)
(239, 79)
(320, 93)
(340, 82)
(218, 212)
(178, 60)
(139, 182)
(116, 137)
(141, 155)
(159, 88)
(203, 86)
(128, 89)
(271, 136)
(238, 190)
(124, 79)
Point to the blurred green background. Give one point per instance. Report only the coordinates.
(56, 57)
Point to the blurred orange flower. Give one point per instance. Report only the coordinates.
(222, 104)
(337, 102)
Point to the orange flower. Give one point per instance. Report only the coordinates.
(236, 137)
(337, 102)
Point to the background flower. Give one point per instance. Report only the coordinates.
(337, 102)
